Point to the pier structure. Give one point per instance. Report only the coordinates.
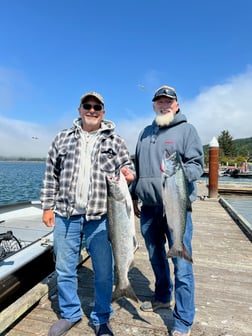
(222, 256)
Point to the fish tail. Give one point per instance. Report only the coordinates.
(127, 292)
(173, 252)
(186, 255)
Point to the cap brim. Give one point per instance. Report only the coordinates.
(163, 95)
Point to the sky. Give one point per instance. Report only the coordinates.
(53, 51)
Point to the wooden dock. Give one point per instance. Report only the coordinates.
(223, 278)
(235, 188)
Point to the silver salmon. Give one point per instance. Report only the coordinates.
(176, 202)
(121, 233)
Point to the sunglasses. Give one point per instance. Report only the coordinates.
(167, 92)
(89, 106)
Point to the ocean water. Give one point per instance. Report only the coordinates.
(22, 181)
(242, 204)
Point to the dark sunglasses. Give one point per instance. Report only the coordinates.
(167, 92)
(89, 106)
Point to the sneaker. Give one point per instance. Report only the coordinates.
(60, 327)
(180, 333)
(103, 330)
(152, 306)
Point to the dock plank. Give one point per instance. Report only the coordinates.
(223, 286)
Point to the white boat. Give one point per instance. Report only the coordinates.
(23, 240)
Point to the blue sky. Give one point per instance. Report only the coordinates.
(52, 51)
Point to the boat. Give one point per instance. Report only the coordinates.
(225, 172)
(245, 170)
(24, 242)
(236, 173)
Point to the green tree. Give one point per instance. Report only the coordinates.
(226, 144)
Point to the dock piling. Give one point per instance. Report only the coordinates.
(213, 168)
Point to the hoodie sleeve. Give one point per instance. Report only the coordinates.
(193, 155)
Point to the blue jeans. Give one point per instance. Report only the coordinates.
(155, 232)
(68, 235)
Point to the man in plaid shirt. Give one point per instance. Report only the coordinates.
(74, 202)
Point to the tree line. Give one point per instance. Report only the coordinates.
(231, 151)
(10, 159)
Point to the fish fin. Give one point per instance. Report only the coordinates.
(135, 244)
(173, 252)
(127, 292)
(128, 207)
(189, 205)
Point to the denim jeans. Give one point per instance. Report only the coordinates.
(155, 232)
(68, 235)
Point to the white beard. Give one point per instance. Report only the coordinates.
(164, 119)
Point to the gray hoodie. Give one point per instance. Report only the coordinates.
(153, 140)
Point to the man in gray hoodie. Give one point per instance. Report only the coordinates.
(169, 132)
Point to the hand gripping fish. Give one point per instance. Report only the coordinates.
(121, 233)
(176, 202)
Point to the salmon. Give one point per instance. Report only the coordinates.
(176, 202)
(121, 234)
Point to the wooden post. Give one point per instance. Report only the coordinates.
(213, 168)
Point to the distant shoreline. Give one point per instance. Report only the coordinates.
(22, 160)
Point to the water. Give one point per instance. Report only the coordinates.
(241, 203)
(20, 181)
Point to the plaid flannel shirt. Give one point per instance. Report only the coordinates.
(62, 167)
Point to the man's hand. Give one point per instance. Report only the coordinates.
(48, 218)
(129, 176)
